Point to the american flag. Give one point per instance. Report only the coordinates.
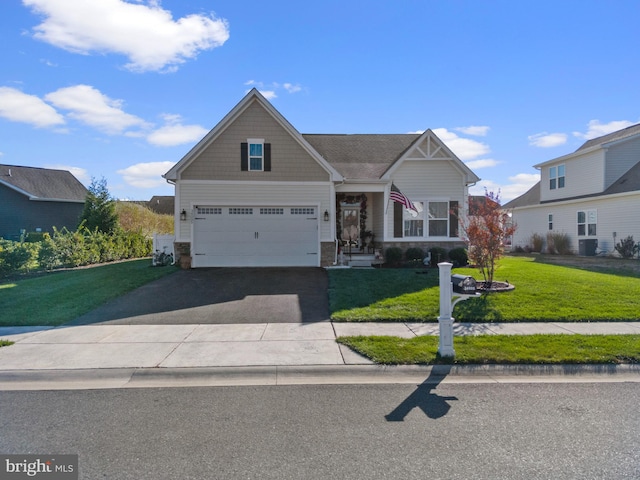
(397, 196)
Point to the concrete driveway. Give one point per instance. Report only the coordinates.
(221, 296)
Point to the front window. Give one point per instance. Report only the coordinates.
(438, 219)
(556, 177)
(256, 155)
(551, 221)
(432, 221)
(413, 221)
(587, 223)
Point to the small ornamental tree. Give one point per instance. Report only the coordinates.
(99, 208)
(486, 228)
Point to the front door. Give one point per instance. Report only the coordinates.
(351, 224)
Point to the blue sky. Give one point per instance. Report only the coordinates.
(123, 89)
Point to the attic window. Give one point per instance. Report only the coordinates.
(255, 155)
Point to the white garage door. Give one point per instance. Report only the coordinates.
(255, 236)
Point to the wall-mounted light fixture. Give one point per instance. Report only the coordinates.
(326, 215)
(183, 215)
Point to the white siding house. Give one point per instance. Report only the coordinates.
(592, 195)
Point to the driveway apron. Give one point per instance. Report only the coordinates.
(221, 296)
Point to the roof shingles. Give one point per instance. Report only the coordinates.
(43, 183)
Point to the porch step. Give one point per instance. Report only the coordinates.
(360, 260)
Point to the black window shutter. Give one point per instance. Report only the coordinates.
(453, 218)
(244, 157)
(397, 220)
(267, 157)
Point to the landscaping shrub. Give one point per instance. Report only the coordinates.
(627, 247)
(414, 254)
(34, 237)
(393, 255)
(73, 249)
(537, 243)
(17, 256)
(559, 243)
(438, 254)
(459, 257)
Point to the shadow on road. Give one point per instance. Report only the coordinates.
(433, 405)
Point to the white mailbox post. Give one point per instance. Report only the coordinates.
(445, 320)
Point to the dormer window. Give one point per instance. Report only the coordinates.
(556, 177)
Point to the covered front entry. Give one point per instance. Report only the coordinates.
(255, 236)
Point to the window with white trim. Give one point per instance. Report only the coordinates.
(413, 221)
(256, 154)
(587, 223)
(556, 177)
(433, 219)
(438, 219)
(551, 221)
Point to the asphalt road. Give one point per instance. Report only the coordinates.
(450, 431)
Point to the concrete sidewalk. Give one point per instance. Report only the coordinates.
(223, 345)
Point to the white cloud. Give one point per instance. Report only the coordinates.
(80, 173)
(268, 94)
(292, 88)
(20, 107)
(88, 105)
(176, 134)
(145, 33)
(146, 175)
(270, 91)
(597, 129)
(518, 185)
(464, 148)
(476, 131)
(481, 163)
(547, 140)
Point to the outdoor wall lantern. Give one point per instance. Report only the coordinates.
(183, 215)
(326, 215)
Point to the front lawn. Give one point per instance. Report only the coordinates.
(501, 349)
(61, 296)
(543, 292)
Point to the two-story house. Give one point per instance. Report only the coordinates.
(592, 195)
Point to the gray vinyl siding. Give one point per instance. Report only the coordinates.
(619, 159)
(615, 213)
(584, 175)
(221, 160)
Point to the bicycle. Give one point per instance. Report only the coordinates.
(162, 258)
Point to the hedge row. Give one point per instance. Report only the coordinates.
(71, 249)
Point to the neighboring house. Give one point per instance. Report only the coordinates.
(162, 204)
(37, 199)
(256, 192)
(592, 195)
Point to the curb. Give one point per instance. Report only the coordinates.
(89, 379)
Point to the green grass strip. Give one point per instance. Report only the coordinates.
(5, 343)
(500, 349)
(543, 293)
(59, 297)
